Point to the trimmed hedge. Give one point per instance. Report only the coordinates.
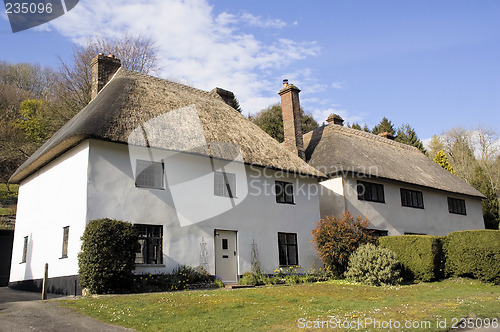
(106, 261)
(419, 255)
(473, 254)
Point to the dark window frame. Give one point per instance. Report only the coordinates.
(287, 248)
(378, 232)
(25, 249)
(370, 192)
(225, 184)
(143, 180)
(64, 253)
(457, 206)
(412, 198)
(284, 192)
(150, 244)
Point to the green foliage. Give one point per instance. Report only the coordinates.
(474, 254)
(420, 255)
(441, 159)
(355, 126)
(182, 277)
(407, 135)
(489, 205)
(436, 144)
(336, 238)
(249, 278)
(271, 121)
(374, 266)
(106, 260)
(384, 126)
(234, 103)
(34, 121)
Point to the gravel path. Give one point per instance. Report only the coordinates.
(24, 311)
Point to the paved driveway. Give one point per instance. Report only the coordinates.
(24, 311)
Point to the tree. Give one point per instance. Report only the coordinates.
(442, 160)
(35, 120)
(355, 126)
(271, 121)
(460, 151)
(407, 135)
(336, 238)
(136, 53)
(366, 129)
(384, 126)
(489, 205)
(435, 145)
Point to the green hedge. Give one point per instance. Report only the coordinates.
(106, 261)
(473, 254)
(419, 255)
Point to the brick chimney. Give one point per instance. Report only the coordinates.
(292, 122)
(335, 119)
(103, 68)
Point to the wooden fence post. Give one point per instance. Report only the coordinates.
(44, 285)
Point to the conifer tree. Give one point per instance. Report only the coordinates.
(407, 135)
(442, 160)
(384, 126)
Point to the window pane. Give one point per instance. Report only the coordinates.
(149, 174)
(25, 249)
(292, 255)
(291, 239)
(65, 241)
(149, 248)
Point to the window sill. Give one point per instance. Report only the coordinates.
(149, 265)
(285, 203)
(154, 188)
(413, 207)
(63, 257)
(22, 262)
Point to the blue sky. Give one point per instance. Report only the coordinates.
(432, 64)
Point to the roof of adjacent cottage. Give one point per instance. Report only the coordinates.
(175, 116)
(335, 150)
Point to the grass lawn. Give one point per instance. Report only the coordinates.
(282, 307)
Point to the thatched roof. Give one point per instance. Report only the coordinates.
(335, 149)
(175, 117)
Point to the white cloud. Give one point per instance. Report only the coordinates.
(196, 45)
(263, 23)
(337, 85)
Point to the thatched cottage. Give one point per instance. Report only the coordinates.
(398, 188)
(202, 184)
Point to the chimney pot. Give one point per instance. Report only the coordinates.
(335, 119)
(102, 68)
(387, 135)
(285, 83)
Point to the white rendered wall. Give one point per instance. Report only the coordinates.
(331, 198)
(50, 199)
(434, 219)
(190, 212)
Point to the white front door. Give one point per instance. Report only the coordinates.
(226, 256)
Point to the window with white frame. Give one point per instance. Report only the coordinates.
(284, 192)
(456, 206)
(149, 249)
(149, 174)
(287, 247)
(25, 250)
(65, 242)
(224, 184)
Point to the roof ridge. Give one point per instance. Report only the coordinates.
(159, 79)
(371, 136)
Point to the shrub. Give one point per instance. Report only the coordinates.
(473, 254)
(420, 255)
(106, 260)
(182, 277)
(374, 266)
(336, 238)
(248, 278)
